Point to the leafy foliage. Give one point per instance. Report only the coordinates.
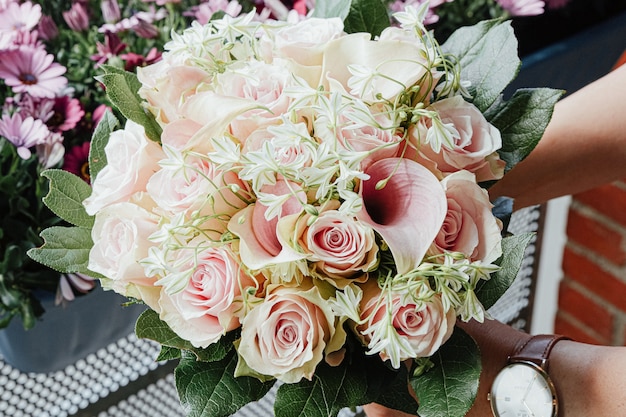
(450, 386)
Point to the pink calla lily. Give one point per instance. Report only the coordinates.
(259, 239)
(407, 212)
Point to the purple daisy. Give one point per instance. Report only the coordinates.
(33, 71)
(24, 133)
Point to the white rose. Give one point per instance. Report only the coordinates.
(120, 240)
(303, 42)
(131, 160)
(368, 68)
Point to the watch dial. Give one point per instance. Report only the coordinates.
(522, 391)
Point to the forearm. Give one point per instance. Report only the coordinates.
(589, 379)
(584, 146)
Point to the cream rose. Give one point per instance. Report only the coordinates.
(369, 68)
(476, 141)
(166, 88)
(131, 160)
(208, 305)
(303, 42)
(469, 226)
(285, 337)
(341, 248)
(424, 326)
(198, 189)
(265, 88)
(120, 240)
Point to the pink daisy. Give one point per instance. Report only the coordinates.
(32, 70)
(67, 113)
(24, 133)
(17, 16)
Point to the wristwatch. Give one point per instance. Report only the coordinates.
(523, 388)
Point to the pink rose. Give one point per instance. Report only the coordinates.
(341, 248)
(423, 326)
(131, 160)
(210, 303)
(475, 143)
(377, 139)
(120, 240)
(285, 337)
(469, 226)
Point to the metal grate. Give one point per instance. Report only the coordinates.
(515, 306)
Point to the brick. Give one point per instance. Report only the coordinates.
(597, 280)
(567, 327)
(609, 200)
(585, 310)
(594, 235)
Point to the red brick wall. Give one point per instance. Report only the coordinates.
(592, 294)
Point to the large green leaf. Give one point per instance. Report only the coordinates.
(449, 388)
(122, 89)
(65, 197)
(369, 16)
(150, 326)
(358, 380)
(210, 389)
(97, 157)
(487, 53)
(65, 249)
(522, 121)
(513, 249)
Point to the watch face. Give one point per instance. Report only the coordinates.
(522, 390)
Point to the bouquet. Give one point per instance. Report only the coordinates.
(306, 202)
(50, 55)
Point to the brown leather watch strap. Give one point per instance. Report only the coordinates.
(536, 350)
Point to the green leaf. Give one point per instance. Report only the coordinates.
(65, 197)
(97, 157)
(65, 249)
(522, 121)
(122, 89)
(168, 353)
(210, 389)
(331, 8)
(487, 53)
(150, 326)
(358, 380)
(369, 16)
(450, 387)
(513, 249)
